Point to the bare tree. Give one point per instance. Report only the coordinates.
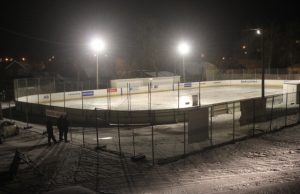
(147, 45)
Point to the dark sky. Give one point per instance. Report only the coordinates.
(39, 29)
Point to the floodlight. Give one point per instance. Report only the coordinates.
(258, 32)
(183, 48)
(97, 45)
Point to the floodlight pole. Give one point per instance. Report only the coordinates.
(261, 32)
(183, 69)
(263, 67)
(97, 73)
(97, 45)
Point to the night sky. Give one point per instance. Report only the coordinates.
(39, 29)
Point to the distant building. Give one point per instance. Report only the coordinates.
(294, 69)
(17, 69)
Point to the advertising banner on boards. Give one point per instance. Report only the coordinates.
(88, 93)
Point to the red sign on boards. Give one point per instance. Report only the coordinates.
(112, 89)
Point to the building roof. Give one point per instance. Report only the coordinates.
(159, 73)
(23, 65)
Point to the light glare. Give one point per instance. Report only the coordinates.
(258, 31)
(183, 48)
(97, 45)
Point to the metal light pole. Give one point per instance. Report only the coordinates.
(183, 68)
(183, 49)
(261, 32)
(98, 46)
(263, 67)
(97, 73)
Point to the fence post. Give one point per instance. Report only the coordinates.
(150, 95)
(27, 117)
(233, 123)
(50, 100)
(133, 136)
(119, 134)
(253, 129)
(64, 95)
(128, 95)
(173, 85)
(71, 136)
(298, 101)
(149, 103)
(17, 90)
(107, 95)
(38, 89)
(286, 102)
(199, 94)
(271, 116)
(211, 124)
(97, 135)
(152, 133)
(83, 142)
(82, 96)
(178, 94)
(184, 131)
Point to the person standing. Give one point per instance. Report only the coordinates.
(60, 127)
(65, 126)
(50, 132)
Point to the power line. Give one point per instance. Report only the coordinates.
(34, 37)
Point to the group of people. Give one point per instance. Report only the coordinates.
(63, 128)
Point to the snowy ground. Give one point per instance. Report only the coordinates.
(266, 164)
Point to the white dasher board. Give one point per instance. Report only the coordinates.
(291, 91)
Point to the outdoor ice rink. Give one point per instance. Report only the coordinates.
(169, 99)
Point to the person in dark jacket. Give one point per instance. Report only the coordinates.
(65, 126)
(60, 127)
(50, 132)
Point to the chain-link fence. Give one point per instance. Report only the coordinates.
(134, 121)
(232, 74)
(227, 122)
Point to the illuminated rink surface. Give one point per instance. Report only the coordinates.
(169, 99)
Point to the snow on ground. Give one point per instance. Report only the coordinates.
(266, 164)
